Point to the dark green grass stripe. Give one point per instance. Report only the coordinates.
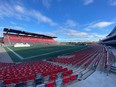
(27, 52)
(53, 55)
(54, 48)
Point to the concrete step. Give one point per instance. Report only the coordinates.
(114, 71)
(113, 67)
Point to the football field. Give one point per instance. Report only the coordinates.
(19, 54)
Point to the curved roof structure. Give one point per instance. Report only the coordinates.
(7, 30)
(113, 32)
(110, 38)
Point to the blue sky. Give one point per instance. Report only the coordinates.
(69, 20)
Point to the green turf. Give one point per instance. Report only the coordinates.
(31, 51)
(37, 50)
(13, 57)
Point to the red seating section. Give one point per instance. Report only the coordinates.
(22, 72)
(13, 38)
(106, 60)
(85, 56)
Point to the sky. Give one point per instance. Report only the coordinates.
(68, 20)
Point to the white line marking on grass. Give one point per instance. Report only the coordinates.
(45, 54)
(25, 58)
(15, 53)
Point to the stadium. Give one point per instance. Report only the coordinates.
(57, 43)
(36, 60)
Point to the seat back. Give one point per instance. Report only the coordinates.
(24, 79)
(16, 80)
(50, 84)
(66, 80)
(7, 81)
(73, 77)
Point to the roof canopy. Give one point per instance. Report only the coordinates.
(7, 30)
(113, 32)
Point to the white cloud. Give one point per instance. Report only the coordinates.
(47, 33)
(112, 2)
(18, 11)
(87, 2)
(69, 34)
(12, 27)
(102, 24)
(1, 27)
(100, 36)
(51, 34)
(98, 25)
(1, 34)
(47, 3)
(1, 31)
(87, 29)
(17, 27)
(42, 18)
(74, 33)
(12, 22)
(9, 9)
(71, 23)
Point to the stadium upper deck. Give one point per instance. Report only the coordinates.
(110, 38)
(12, 36)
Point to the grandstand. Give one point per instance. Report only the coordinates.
(55, 66)
(110, 39)
(12, 36)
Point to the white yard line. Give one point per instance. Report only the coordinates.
(16, 53)
(22, 58)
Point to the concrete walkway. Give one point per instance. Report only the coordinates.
(4, 57)
(97, 79)
(113, 51)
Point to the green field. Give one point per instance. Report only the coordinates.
(39, 53)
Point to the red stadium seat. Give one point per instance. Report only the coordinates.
(15, 80)
(66, 80)
(69, 72)
(7, 81)
(53, 77)
(50, 84)
(73, 77)
(24, 79)
(31, 77)
(64, 74)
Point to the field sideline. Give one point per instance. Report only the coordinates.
(38, 53)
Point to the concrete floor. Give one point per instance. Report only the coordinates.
(97, 79)
(4, 57)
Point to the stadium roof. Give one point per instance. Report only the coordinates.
(7, 30)
(113, 32)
